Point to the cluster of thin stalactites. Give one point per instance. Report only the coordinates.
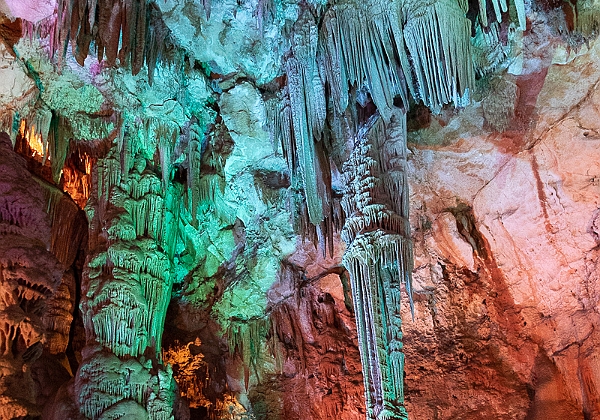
(385, 51)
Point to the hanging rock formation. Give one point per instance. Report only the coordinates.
(37, 285)
(379, 258)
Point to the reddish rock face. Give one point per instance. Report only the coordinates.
(314, 341)
(37, 294)
(506, 263)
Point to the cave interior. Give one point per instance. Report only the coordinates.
(299, 209)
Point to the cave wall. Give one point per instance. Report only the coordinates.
(42, 233)
(180, 275)
(505, 257)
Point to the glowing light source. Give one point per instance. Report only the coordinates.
(77, 178)
(34, 141)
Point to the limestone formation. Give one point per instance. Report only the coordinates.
(317, 209)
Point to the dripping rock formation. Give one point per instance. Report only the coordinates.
(284, 209)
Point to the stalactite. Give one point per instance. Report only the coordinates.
(194, 154)
(279, 114)
(379, 257)
(520, 6)
(296, 118)
(211, 188)
(9, 123)
(245, 339)
(487, 49)
(137, 37)
(437, 36)
(207, 5)
(58, 145)
(283, 134)
(588, 17)
(109, 29)
(167, 135)
(157, 41)
(265, 10)
(496, 4)
(489, 16)
(129, 30)
(362, 44)
(307, 103)
(66, 221)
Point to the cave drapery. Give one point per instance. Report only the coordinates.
(213, 154)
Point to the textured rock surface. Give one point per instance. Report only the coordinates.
(202, 148)
(36, 304)
(505, 273)
(317, 370)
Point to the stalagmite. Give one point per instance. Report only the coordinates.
(130, 272)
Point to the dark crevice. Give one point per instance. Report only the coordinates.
(466, 225)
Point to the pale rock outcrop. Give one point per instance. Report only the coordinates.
(506, 274)
(30, 10)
